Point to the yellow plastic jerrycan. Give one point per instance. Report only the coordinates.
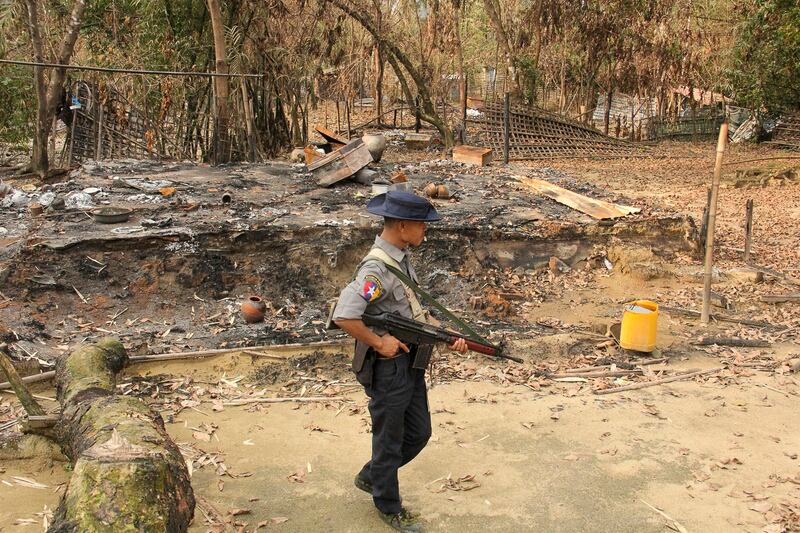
(639, 321)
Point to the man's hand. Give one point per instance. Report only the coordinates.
(390, 347)
(459, 346)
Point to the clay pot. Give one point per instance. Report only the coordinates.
(253, 310)
(442, 192)
(430, 190)
(36, 209)
(376, 144)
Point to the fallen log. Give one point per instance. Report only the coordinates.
(780, 298)
(670, 379)
(127, 471)
(732, 341)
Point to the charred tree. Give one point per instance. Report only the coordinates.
(401, 62)
(127, 470)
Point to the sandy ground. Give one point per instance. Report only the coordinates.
(703, 453)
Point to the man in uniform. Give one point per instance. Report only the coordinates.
(398, 405)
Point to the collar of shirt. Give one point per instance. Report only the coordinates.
(394, 252)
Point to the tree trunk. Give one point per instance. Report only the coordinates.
(396, 58)
(379, 70)
(127, 470)
(49, 94)
(492, 8)
(609, 100)
(221, 151)
(247, 107)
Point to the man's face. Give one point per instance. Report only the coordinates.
(412, 231)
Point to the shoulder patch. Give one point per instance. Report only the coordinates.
(372, 288)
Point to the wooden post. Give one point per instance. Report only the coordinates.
(98, 152)
(31, 406)
(506, 127)
(338, 118)
(347, 109)
(464, 112)
(748, 231)
(704, 223)
(72, 137)
(712, 218)
(417, 120)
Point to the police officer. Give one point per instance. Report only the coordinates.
(398, 405)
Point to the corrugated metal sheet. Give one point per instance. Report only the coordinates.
(621, 106)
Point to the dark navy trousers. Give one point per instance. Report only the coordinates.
(401, 426)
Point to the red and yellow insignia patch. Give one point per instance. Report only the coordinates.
(372, 288)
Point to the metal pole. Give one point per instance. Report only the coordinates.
(712, 218)
(506, 127)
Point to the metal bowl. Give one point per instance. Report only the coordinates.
(111, 215)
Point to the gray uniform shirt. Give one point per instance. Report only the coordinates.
(376, 290)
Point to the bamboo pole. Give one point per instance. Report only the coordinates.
(136, 359)
(645, 384)
(221, 351)
(27, 400)
(506, 127)
(128, 71)
(712, 218)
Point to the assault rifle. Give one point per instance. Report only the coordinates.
(413, 332)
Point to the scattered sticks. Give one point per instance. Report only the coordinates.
(676, 377)
(596, 374)
(675, 525)
(721, 318)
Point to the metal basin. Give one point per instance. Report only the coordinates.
(111, 215)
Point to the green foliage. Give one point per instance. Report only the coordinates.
(765, 73)
(19, 110)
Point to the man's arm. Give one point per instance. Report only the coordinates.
(387, 345)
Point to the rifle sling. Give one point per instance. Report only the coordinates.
(475, 336)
